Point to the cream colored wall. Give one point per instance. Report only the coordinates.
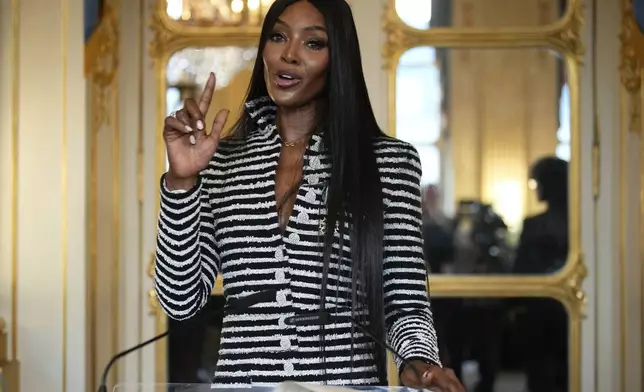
(7, 107)
(589, 377)
(150, 121)
(367, 18)
(50, 253)
(603, 286)
(631, 213)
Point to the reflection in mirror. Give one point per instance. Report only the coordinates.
(188, 69)
(492, 128)
(218, 12)
(425, 14)
(504, 344)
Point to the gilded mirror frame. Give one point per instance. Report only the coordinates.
(101, 69)
(563, 36)
(631, 74)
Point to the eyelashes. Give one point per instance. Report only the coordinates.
(312, 43)
(276, 37)
(316, 44)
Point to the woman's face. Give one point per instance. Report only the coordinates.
(296, 56)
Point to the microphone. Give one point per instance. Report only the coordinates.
(103, 384)
(234, 305)
(319, 318)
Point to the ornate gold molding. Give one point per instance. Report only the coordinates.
(101, 64)
(564, 35)
(153, 301)
(9, 369)
(161, 36)
(101, 69)
(631, 60)
(631, 64)
(101, 53)
(397, 37)
(170, 35)
(574, 284)
(567, 37)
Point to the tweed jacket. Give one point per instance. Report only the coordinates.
(228, 225)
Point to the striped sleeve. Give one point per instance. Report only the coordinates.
(408, 316)
(187, 262)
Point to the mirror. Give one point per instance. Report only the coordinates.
(425, 14)
(504, 344)
(218, 13)
(492, 128)
(188, 69)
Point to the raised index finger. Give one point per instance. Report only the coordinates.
(206, 96)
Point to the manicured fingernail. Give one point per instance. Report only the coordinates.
(426, 374)
(193, 140)
(200, 125)
(188, 128)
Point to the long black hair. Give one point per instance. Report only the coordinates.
(349, 126)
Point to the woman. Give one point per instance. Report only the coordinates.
(307, 200)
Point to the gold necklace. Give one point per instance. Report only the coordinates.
(293, 144)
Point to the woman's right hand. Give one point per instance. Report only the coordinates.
(188, 145)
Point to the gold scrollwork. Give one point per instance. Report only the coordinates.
(631, 60)
(563, 35)
(101, 54)
(631, 64)
(101, 64)
(101, 70)
(153, 301)
(9, 369)
(574, 285)
(171, 35)
(396, 38)
(161, 36)
(567, 37)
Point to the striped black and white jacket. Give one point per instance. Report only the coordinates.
(228, 224)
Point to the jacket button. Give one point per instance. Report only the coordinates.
(285, 342)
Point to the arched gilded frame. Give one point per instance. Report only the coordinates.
(562, 36)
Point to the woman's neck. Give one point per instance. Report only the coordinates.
(295, 124)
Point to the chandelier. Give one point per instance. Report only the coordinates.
(191, 66)
(219, 12)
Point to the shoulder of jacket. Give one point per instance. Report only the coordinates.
(388, 146)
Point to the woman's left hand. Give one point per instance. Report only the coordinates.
(432, 377)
